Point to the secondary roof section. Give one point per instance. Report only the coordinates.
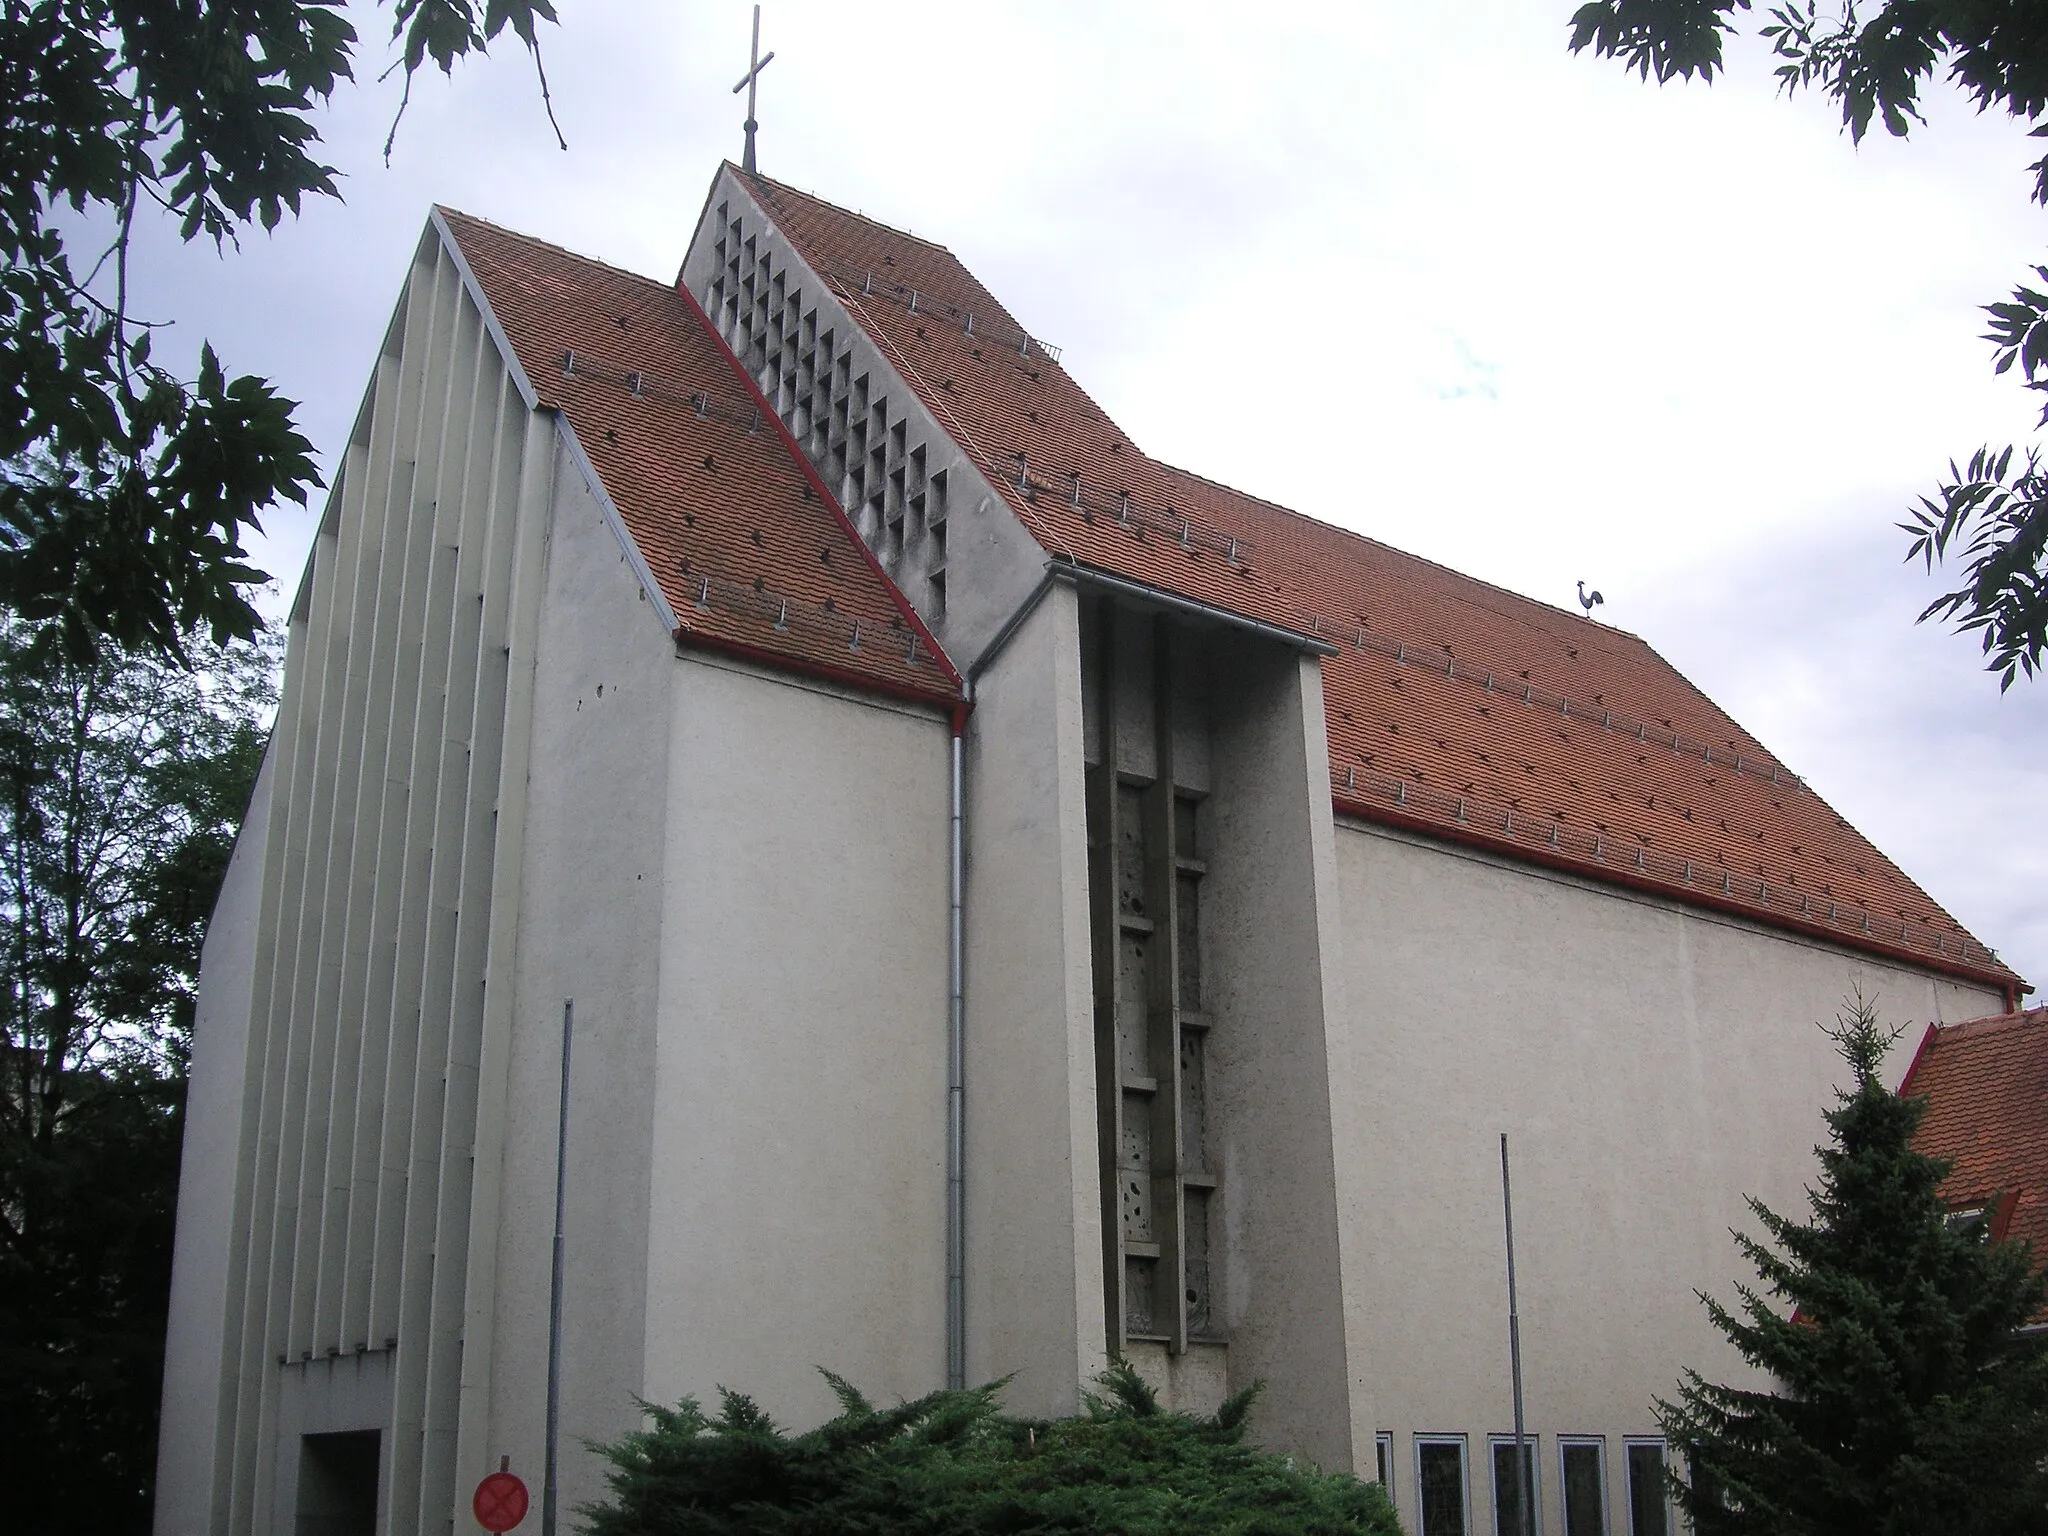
(1985, 1083)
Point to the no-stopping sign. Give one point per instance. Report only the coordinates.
(500, 1502)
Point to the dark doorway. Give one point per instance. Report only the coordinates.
(338, 1484)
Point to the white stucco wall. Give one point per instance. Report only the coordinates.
(201, 1307)
(797, 1207)
(590, 930)
(1651, 1064)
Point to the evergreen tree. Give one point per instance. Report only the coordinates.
(1906, 1399)
(126, 492)
(122, 781)
(951, 1463)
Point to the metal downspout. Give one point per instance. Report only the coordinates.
(956, 1076)
(956, 993)
(956, 1001)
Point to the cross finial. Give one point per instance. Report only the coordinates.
(755, 64)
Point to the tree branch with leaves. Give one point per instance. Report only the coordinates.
(126, 492)
(1873, 61)
(123, 781)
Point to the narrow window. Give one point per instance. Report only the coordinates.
(1440, 1484)
(1509, 1519)
(1383, 1450)
(1970, 1219)
(1194, 1236)
(1647, 1515)
(1583, 1465)
(1706, 1487)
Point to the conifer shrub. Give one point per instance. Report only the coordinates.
(951, 1462)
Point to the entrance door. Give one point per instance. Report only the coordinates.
(338, 1484)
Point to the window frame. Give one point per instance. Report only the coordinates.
(1532, 1445)
(1463, 1442)
(1598, 1445)
(1383, 1450)
(1631, 1443)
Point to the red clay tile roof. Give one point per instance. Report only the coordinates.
(1454, 706)
(744, 544)
(1986, 1086)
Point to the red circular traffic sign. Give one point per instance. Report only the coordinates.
(500, 1502)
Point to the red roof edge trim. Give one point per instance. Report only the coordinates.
(1927, 1038)
(858, 681)
(774, 418)
(1620, 877)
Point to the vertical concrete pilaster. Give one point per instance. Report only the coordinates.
(1271, 917)
(1034, 1272)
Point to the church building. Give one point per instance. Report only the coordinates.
(943, 895)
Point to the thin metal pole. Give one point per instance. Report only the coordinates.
(753, 80)
(749, 81)
(547, 1496)
(956, 1087)
(1507, 1204)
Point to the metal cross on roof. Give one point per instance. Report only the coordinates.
(747, 83)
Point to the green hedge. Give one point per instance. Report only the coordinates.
(953, 1463)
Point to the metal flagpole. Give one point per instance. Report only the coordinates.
(547, 1496)
(1507, 1204)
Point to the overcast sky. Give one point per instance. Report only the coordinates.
(1412, 269)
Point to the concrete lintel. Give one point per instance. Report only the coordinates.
(1139, 592)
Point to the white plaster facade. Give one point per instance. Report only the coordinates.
(498, 784)
(1651, 1064)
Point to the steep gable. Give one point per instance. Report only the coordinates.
(1453, 706)
(744, 544)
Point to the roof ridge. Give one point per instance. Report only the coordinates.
(1405, 554)
(840, 208)
(1756, 748)
(548, 245)
(1991, 1024)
